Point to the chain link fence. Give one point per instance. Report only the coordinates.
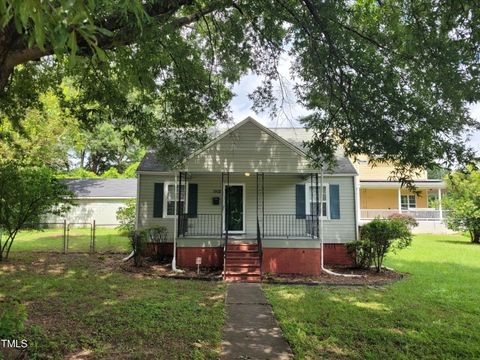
(65, 237)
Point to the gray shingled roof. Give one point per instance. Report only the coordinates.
(102, 188)
(295, 136)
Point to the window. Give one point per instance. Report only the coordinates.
(171, 197)
(408, 202)
(311, 200)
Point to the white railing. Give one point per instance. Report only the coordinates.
(419, 214)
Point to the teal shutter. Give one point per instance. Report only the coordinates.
(334, 201)
(300, 201)
(158, 200)
(192, 200)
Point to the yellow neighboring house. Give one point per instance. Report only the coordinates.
(381, 196)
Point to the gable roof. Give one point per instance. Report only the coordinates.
(292, 138)
(102, 188)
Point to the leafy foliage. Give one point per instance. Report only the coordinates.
(399, 75)
(27, 194)
(126, 217)
(377, 238)
(13, 315)
(462, 201)
(138, 241)
(409, 220)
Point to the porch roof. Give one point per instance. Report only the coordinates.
(420, 184)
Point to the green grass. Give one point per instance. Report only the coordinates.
(87, 304)
(106, 240)
(433, 313)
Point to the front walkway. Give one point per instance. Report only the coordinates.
(251, 331)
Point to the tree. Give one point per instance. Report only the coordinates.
(462, 202)
(27, 194)
(126, 217)
(392, 79)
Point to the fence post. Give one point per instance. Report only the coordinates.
(93, 236)
(64, 236)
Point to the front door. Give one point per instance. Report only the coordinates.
(234, 209)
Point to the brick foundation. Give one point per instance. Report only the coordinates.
(212, 257)
(304, 261)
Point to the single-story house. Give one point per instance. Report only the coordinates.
(248, 201)
(97, 199)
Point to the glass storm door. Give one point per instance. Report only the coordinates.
(234, 208)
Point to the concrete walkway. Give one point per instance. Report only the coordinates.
(251, 331)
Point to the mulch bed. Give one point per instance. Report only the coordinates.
(367, 277)
(156, 268)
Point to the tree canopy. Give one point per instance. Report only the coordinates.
(392, 79)
(462, 202)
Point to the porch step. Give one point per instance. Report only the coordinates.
(242, 263)
(251, 261)
(243, 278)
(242, 247)
(242, 269)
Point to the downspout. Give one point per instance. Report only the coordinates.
(175, 212)
(322, 237)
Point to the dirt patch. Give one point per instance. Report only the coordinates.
(365, 277)
(154, 268)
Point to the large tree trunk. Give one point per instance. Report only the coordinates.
(475, 236)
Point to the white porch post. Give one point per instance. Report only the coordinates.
(174, 260)
(440, 204)
(399, 200)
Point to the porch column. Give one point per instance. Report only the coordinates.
(440, 204)
(400, 200)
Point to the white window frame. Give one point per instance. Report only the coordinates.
(327, 198)
(408, 201)
(165, 198)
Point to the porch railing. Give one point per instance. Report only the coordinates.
(274, 225)
(419, 214)
(200, 225)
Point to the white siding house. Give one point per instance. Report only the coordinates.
(98, 199)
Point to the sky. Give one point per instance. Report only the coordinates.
(242, 106)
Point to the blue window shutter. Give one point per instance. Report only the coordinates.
(158, 200)
(334, 201)
(192, 200)
(300, 201)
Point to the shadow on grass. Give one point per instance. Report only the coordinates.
(86, 302)
(435, 311)
(458, 242)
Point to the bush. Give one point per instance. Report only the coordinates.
(138, 240)
(158, 235)
(409, 220)
(126, 217)
(13, 315)
(377, 238)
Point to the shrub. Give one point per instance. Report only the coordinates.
(138, 240)
(377, 238)
(157, 236)
(126, 217)
(13, 315)
(409, 220)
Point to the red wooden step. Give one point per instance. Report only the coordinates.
(243, 261)
(243, 278)
(242, 269)
(242, 247)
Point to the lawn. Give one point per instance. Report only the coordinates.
(89, 306)
(106, 240)
(433, 313)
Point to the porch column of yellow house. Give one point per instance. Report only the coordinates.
(399, 192)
